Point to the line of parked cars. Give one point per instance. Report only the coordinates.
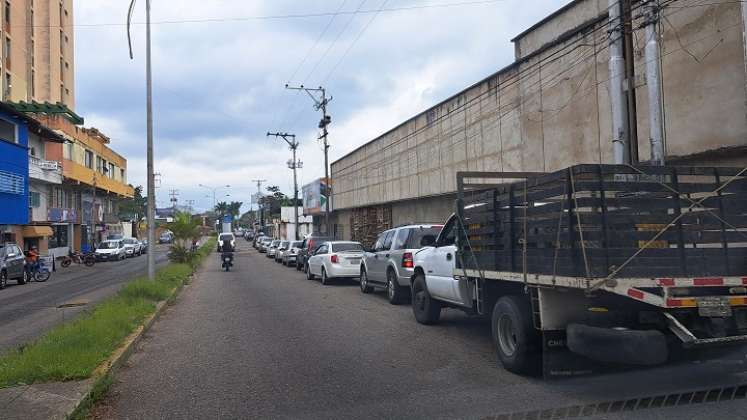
(116, 249)
(388, 265)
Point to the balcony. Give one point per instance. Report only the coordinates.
(45, 170)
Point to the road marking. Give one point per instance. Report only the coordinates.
(731, 393)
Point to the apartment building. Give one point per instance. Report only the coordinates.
(38, 62)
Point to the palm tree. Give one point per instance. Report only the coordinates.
(186, 230)
(221, 208)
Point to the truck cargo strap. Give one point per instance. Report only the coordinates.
(690, 340)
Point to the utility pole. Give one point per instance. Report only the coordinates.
(91, 233)
(320, 104)
(653, 83)
(618, 100)
(292, 164)
(259, 203)
(628, 54)
(174, 194)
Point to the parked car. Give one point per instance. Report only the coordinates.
(133, 247)
(389, 265)
(228, 236)
(258, 240)
(144, 246)
(272, 248)
(12, 264)
(309, 245)
(110, 250)
(335, 259)
(166, 237)
(264, 244)
(291, 255)
(282, 248)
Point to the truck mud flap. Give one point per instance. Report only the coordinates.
(559, 362)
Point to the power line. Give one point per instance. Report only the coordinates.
(274, 17)
(337, 38)
(383, 3)
(376, 165)
(318, 39)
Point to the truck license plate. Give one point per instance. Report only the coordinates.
(714, 306)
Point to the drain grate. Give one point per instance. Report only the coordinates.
(606, 407)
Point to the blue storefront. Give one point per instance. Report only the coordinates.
(14, 174)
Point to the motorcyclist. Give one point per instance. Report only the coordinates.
(226, 251)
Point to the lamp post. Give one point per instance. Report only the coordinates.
(214, 189)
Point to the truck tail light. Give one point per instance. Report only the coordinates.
(407, 260)
(333, 258)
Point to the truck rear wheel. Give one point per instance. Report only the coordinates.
(426, 309)
(517, 342)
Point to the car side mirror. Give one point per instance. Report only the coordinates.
(427, 240)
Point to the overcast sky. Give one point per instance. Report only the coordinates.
(219, 83)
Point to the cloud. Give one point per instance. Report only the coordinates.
(218, 86)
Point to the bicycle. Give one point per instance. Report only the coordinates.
(39, 272)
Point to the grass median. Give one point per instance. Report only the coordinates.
(73, 350)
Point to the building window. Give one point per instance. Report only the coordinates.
(59, 236)
(34, 199)
(122, 175)
(8, 131)
(89, 159)
(62, 93)
(68, 151)
(7, 14)
(33, 53)
(7, 86)
(110, 173)
(62, 69)
(33, 83)
(62, 42)
(99, 164)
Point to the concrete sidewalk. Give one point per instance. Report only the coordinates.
(42, 401)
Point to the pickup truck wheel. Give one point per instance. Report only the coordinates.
(309, 276)
(394, 291)
(3, 279)
(424, 307)
(365, 287)
(516, 340)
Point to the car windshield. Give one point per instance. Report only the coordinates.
(417, 234)
(284, 244)
(296, 244)
(109, 245)
(275, 243)
(225, 237)
(346, 246)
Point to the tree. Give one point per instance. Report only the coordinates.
(221, 209)
(186, 230)
(134, 208)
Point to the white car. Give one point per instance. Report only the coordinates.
(111, 250)
(133, 247)
(282, 249)
(335, 259)
(226, 236)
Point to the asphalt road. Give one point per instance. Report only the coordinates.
(264, 342)
(27, 311)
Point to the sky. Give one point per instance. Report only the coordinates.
(220, 69)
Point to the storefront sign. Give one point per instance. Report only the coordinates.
(57, 214)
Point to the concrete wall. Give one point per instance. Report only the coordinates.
(550, 109)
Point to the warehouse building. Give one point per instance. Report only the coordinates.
(551, 108)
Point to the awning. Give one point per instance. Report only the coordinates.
(37, 231)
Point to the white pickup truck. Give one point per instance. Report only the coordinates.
(594, 266)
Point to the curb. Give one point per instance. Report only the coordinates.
(103, 374)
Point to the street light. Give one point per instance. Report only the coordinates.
(214, 189)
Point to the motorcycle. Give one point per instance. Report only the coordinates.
(227, 260)
(79, 258)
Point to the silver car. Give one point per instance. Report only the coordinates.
(291, 255)
(335, 259)
(389, 265)
(272, 248)
(282, 248)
